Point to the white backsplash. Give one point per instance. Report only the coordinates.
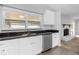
(49, 27)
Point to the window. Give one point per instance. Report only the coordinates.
(13, 24)
(17, 19)
(33, 21)
(14, 19)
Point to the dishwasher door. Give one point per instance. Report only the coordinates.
(47, 42)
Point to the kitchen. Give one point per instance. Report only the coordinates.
(23, 32)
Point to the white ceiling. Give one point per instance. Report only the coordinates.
(66, 9)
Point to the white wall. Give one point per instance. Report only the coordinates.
(77, 27)
(66, 20)
(1, 18)
(38, 8)
(58, 21)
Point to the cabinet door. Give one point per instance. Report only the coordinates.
(13, 47)
(55, 39)
(25, 48)
(36, 44)
(49, 18)
(9, 47)
(3, 50)
(31, 45)
(3, 47)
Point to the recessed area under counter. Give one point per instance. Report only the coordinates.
(22, 46)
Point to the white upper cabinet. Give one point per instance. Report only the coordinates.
(49, 18)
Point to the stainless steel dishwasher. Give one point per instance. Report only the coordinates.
(47, 42)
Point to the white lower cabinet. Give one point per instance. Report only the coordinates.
(36, 44)
(22, 46)
(55, 39)
(13, 47)
(10, 47)
(3, 50)
(31, 45)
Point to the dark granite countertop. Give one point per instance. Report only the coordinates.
(22, 34)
